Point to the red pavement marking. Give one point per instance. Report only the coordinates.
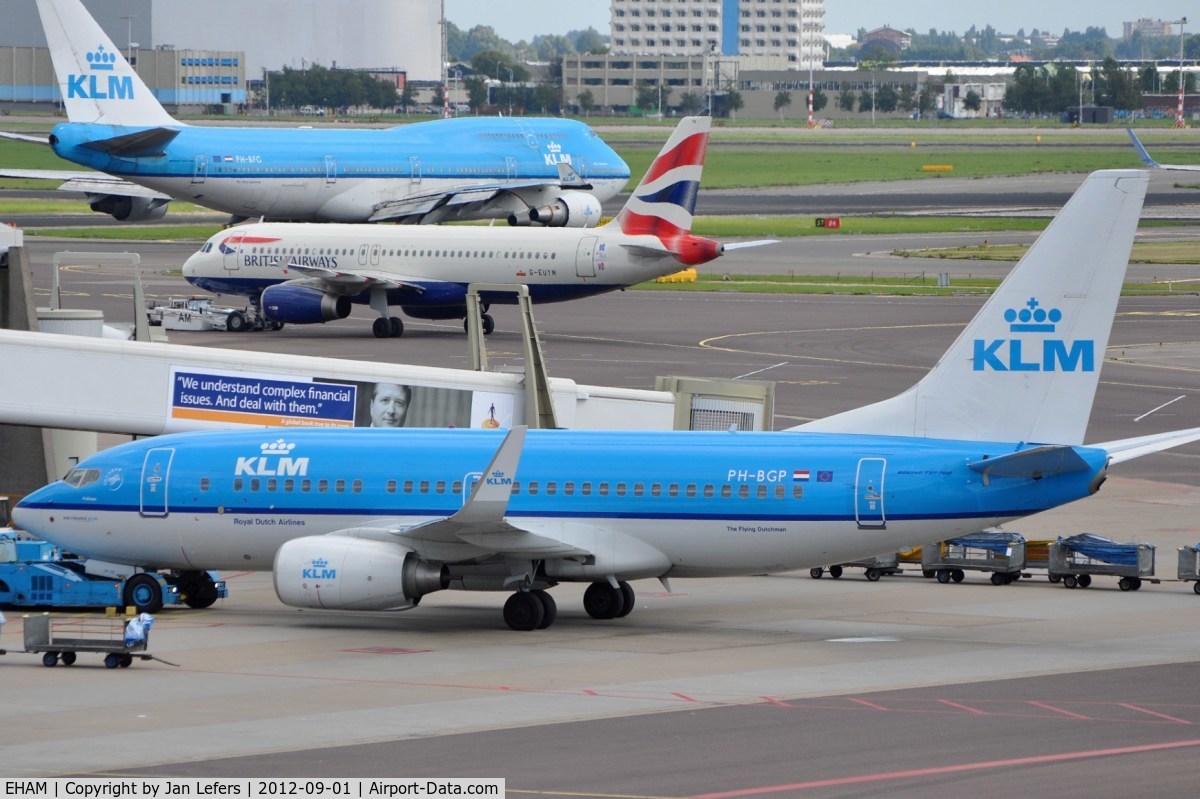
(1154, 713)
(1060, 710)
(974, 710)
(776, 702)
(959, 768)
(871, 705)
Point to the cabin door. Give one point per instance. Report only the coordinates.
(585, 265)
(156, 470)
(469, 482)
(868, 491)
(200, 171)
(414, 168)
(330, 170)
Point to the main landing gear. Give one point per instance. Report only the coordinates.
(489, 324)
(388, 327)
(536, 610)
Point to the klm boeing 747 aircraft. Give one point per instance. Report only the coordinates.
(368, 519)
(426, 172)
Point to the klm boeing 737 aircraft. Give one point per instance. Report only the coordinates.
(426, 172)
(306, 274)
(365, 519)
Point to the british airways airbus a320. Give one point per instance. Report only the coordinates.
(369, 519)
(475, 168)
(306, 274)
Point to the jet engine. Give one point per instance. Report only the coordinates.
(696, 250)
(301, 305)
(128, 209)
(569, 209)
(338, 572)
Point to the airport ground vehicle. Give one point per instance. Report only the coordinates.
(36, 573)
(873, 568)
(1078, 558)
(199, 313)
(995, 551)
(1189, 566)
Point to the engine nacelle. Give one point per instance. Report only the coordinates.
(337, 572)
(301, 305)
(569, 209)
(128, 209)
(696, 250)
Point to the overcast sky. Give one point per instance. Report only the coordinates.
(524, 19)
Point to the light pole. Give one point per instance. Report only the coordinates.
(1179, 113)
(131, 17)
(508, 89)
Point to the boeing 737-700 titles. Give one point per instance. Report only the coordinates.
(303, 274)
(366, 519)
(557, 170)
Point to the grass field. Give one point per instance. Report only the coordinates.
(1149, 252)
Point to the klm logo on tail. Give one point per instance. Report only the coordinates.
(1022, 355)
(92, 86)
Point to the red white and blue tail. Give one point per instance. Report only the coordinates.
(663, 203)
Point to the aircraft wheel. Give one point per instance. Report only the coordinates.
(198, 589)
(943, 576)
(1085, 580)
(236, 322)
(835, 572)
(602, 601)
(628, 599)
(489, 324)
(50, 659)
(549, 608)
(381, 328)
(396, 326)
(144, 593)
(817, 571)
(523, 611)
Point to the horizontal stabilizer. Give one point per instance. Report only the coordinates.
(100, 183)
(1129, 448)
(139, 144)
(24, 137)
(1033, 463)
(741, 245)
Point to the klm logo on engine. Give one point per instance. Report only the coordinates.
(1025, 355)
(275, 461)
(318, 570)
(99, 83)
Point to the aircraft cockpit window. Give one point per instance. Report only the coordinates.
(78, 478)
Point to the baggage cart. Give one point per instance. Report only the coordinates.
(61, 638)
(1189, 566)
(1078, 558)
(874, 568)
(996, 551)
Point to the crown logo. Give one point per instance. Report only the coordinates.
(320, 563)
(1032, 318)
(279, 447)
(554, 147)
(101, 59)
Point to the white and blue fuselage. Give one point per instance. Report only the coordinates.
(711, 503)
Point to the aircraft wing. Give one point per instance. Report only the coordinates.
(462, 199)
(481, 521)
(353, 278)
(1150, 162)
(87, 182)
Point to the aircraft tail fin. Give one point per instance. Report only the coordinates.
(97, 83)
(664, 201)
(1150, 162)
(1027, 366)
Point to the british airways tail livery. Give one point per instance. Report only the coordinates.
(367, 519)
(305, 273)
(437, 171)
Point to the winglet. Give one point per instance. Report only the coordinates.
(489, 498)
(1145, 156)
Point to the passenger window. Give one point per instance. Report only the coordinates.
(797, 492)
(585, 489)
(322, 486)
(424, 487)
(237, 484)
(516, 489)
(305, 486)
(551, 489)
(272, 484)
(603, 490)
(638, 489)
(620, 489)
(673, 490)
(762, 491)
(656, 489)
(391, 486)
(440, 488)
(569, 489)
(356, 486)
(708, 491)
(779, 492)
(254, 484)
(289, 485)
(339, 486)
(743, 491)
(456, 487)
(691, 490)
(408, 486)
(204, 483)
(533, 488)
